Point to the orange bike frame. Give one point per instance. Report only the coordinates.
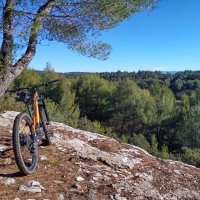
(36, 117)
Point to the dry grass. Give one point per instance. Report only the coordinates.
(52, 162)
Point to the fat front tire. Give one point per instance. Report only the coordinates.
(26, 156)
(45, 126)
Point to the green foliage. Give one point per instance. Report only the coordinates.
(164, 100)
(27, 78)
(191, 156)
(131, 108)
(67, 104)
(49, 74)
(9, 103)
(123, 139)
(52, 109)
(98, 127)
(86, 125)
(154, 145)
(140, 141)
(163, 153)
(189, 131)
(92, 95)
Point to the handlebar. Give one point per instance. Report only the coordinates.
(34, 87)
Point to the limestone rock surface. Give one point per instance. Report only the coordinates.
(82, 165)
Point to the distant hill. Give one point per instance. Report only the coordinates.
(171, 72)
(73, 73)
(67, 73)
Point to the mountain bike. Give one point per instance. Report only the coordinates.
(30, 129)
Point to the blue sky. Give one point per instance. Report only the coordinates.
(166, 39)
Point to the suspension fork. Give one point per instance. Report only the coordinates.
(45, 110)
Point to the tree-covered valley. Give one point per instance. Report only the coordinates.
(155, 111)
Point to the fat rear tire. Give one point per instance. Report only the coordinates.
(44, 125)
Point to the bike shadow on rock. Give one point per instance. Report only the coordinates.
(12, 175)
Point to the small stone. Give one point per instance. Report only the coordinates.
(91, 194)
(8, 161)
(30, 189)
(61, 197)
(43, 157)
(35, 184)
(173, 198)
(106, 178)
(118, 197)
(177, 171)
(79, 178)
(95, 178)
(17, 198)
(115, 175)
(98, 174)
(60, 148)
(2, 147)
(9, 181)
(77, 186)
(59, 182)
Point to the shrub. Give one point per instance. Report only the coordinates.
(124, 139)
(164, 153)
(140, 141)
(98, 127)
(191, 156)
(9, 103)
(85, 124)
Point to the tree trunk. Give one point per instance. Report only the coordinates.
(9, 72)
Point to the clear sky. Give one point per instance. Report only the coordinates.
(166, 39)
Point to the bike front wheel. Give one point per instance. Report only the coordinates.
(24, 144)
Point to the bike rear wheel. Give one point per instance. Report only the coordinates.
(44, 126)
(24, 144)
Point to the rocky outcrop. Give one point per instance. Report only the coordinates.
(84, 165)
